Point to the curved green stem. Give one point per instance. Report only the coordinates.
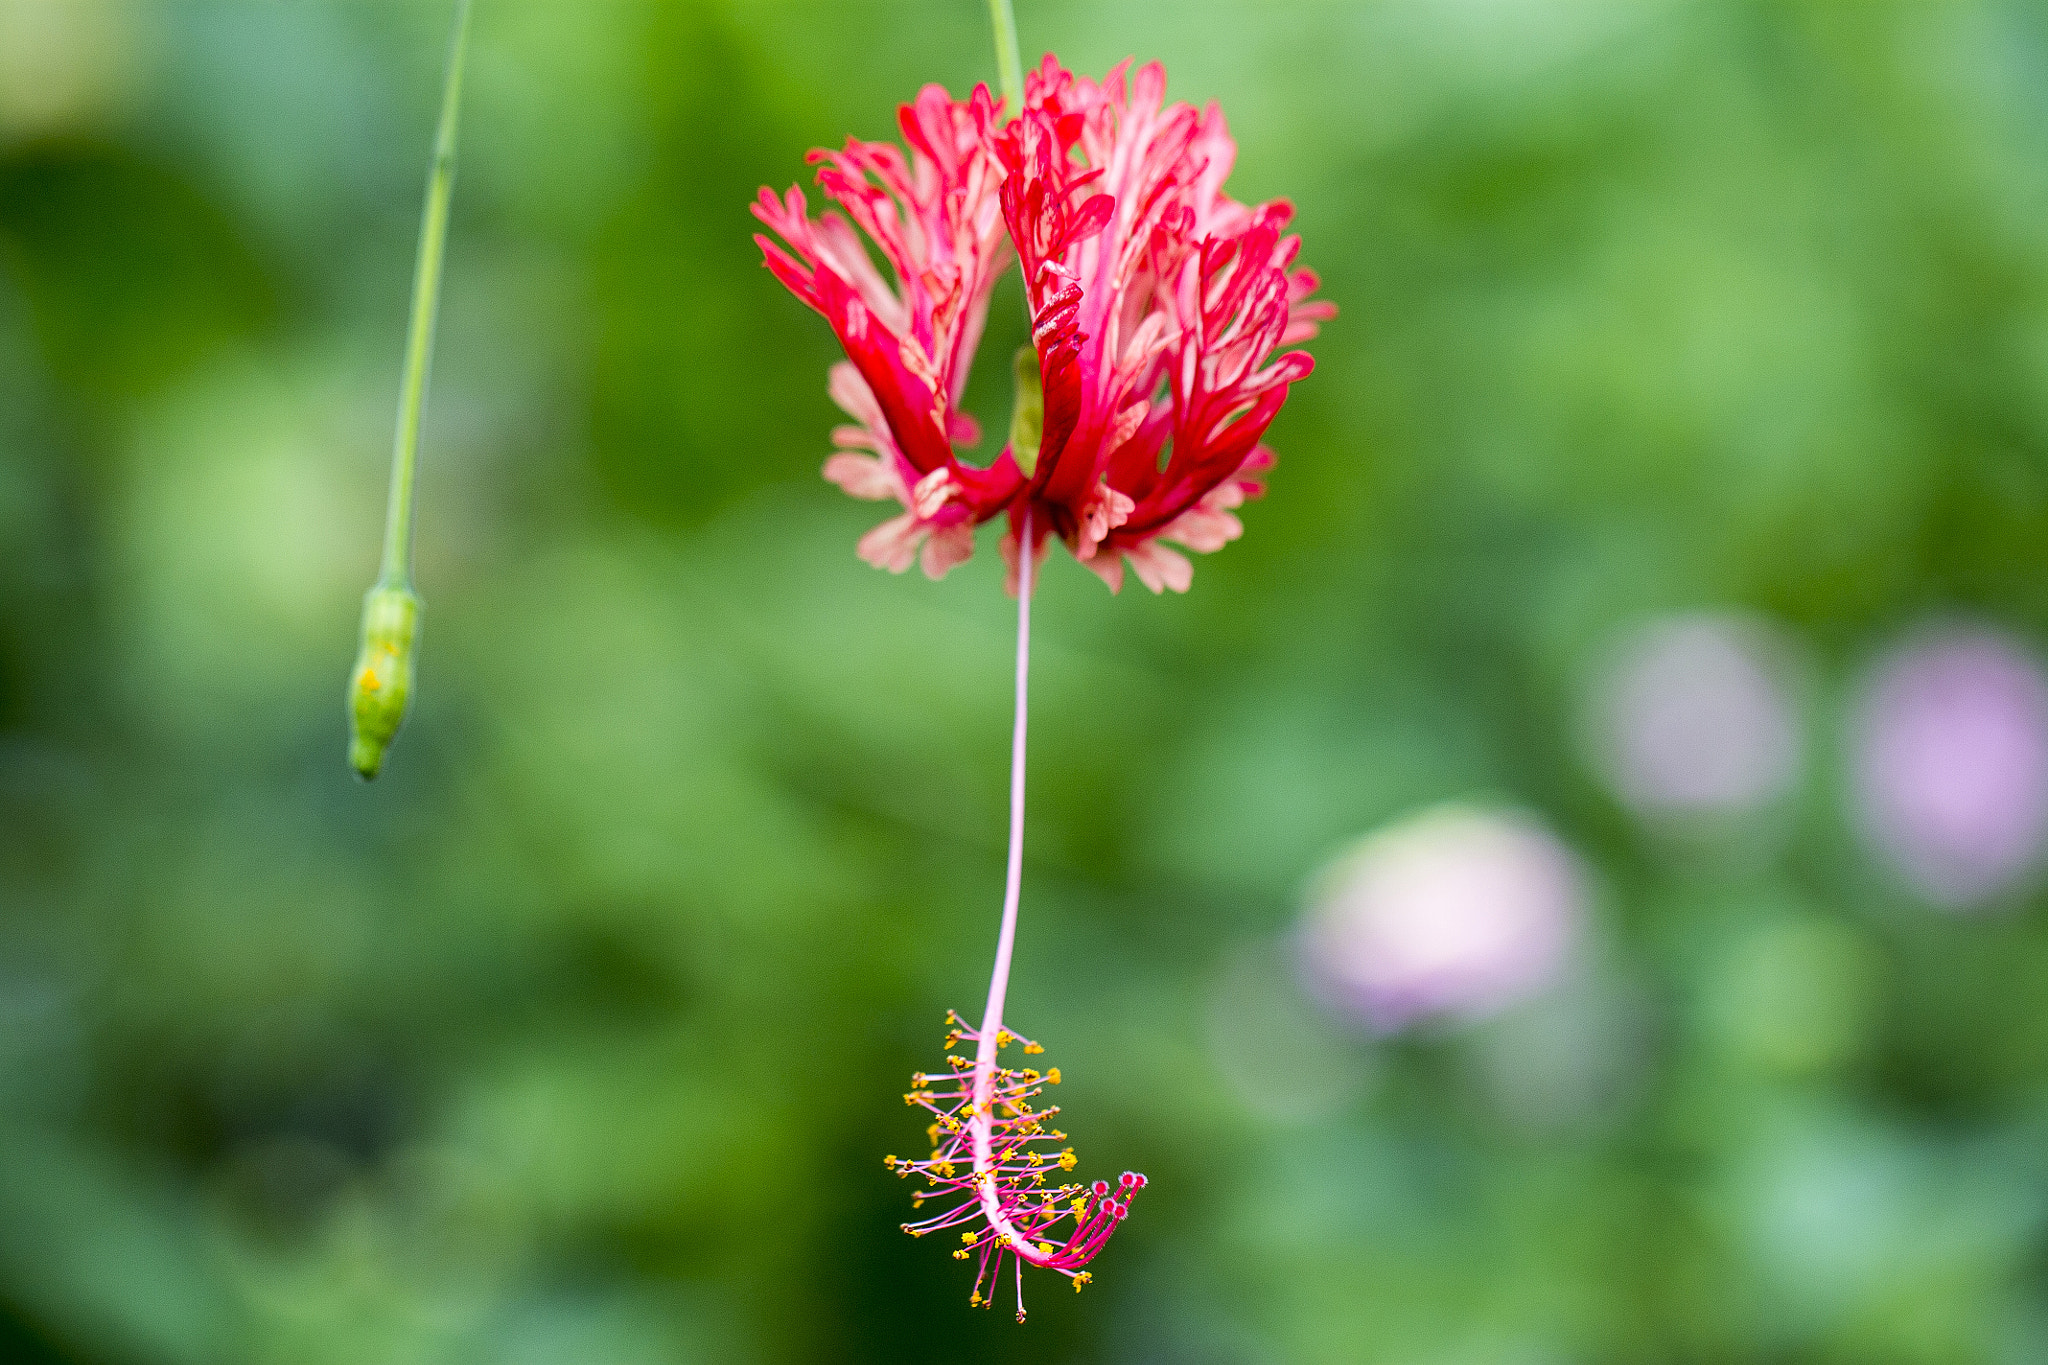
(380, 685)
(419, 335)
(1007, 69)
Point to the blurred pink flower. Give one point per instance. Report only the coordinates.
(1950, 755)
(1453, 913)
(1694, 716)
(1157, 303)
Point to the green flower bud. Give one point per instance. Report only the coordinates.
(381, 684)
(1027, 418)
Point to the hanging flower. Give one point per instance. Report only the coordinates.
(1157, 303)
(1157, 306)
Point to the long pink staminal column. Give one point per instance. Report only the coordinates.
(981, 1125)
(986, 1116)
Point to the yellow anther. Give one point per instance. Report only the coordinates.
(1033, 1047)
(1045, 1247)
(975, 1302)
(1083, 1278)
(1068, 1160)
(967, 1237)
(959, 1255)
(1052, 1077)
(889, 1162)
(1078, 1205)
(1003, 1038)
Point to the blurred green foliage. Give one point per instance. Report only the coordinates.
(579, 1036)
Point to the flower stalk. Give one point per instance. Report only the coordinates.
(380, 685)
(1009, 70)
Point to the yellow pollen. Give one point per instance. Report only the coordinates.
(1052, 1077)
(959, 1255)
(1033, 1047)
(1083, 1278)
(368, 681)
(1045, 1247)
(967, 1237)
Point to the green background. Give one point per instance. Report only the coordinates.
(579, 1036)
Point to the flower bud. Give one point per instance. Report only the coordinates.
(381, 683)
(1027, 418)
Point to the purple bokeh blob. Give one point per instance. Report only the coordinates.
(1454, 913)
(1950, 763)
(1695, 715)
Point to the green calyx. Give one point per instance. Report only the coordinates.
(1027, 418)
(381, 683)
